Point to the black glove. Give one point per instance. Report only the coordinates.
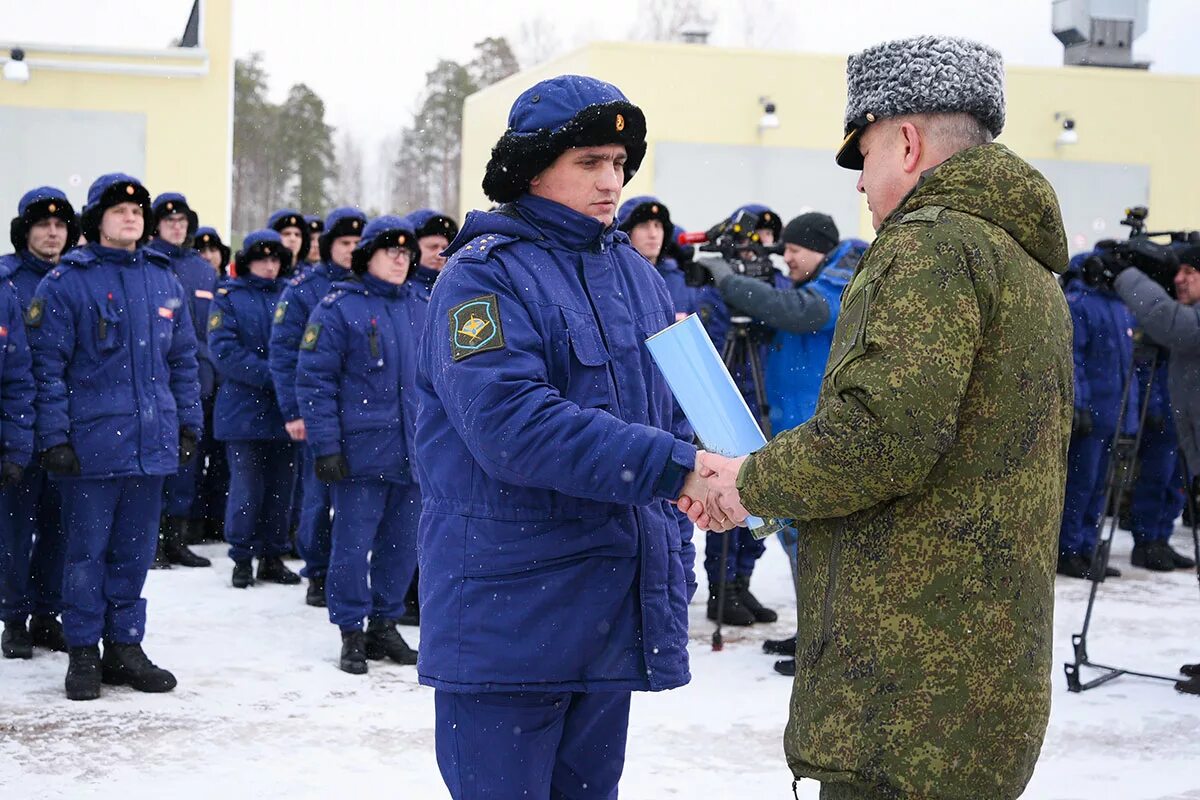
(10, 474)
(1156, 424)
(1081, 422)
(61, 460)
(331, 469)
(187, 445)
(1102, 271)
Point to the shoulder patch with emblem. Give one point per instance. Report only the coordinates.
(35, 313)
(475, 327)
(280, 311)
(923, 214)
(215, 319)
(311, 334)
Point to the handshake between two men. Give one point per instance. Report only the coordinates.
(710, 494)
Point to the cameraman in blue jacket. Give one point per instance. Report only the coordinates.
(549, 450)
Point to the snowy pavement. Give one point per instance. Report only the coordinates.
(262, 710)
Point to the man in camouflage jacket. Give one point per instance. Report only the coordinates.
(928, 486)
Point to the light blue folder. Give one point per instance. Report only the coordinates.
(709, 397)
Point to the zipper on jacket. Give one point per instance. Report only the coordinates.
(835, 557)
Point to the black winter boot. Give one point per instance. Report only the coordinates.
(1155, 556)
(243, 574)
(735, 613)
(175, 544)
(780, 647)
(354, 653)
(1191, 670)
(1190, 686)
(315, 596)
(15, 641)
(383, 640)
(1181, 561)
(1072, 565)
(272, 570)
(128, 664)
(760, 612)
(160, 550)
(786, 666)
(83, 673)
(412, 606)
(47, 632)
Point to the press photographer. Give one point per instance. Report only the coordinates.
(1146, 285)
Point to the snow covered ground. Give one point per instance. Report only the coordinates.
(262, 710)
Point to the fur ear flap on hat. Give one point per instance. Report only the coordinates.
(519, 157)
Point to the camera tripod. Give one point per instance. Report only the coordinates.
(740, 350)
(1101, 552)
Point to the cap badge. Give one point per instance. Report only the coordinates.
(52, 208)
(620, 122)
(129, 188)
(870, 117)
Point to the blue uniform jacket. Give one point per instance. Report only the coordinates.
(17, 388)
(199, 281)
(357, 375)
(239, 333)
(114, 356)
(300, 297)
(423, 278)
(550, 558)
(796, 362)
(683, 297)
(1103, 356)
(26, 271)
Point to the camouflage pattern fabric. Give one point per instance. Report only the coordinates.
(928, 489)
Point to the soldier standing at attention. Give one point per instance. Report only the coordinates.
(928, 486)
(118, 409)
(548, 447)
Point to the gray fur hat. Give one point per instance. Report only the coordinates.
(922, 75)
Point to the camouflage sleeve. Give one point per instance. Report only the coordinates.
(903, 349)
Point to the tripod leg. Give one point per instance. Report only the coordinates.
(760, 388)
(718, 641)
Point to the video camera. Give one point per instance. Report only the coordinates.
(736, 240)
(1158, 261)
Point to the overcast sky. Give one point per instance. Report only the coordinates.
(368, 58)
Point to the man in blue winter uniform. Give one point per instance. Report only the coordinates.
(262, 458)
(343, 228)
(293, 231)
(32, 544)
(118, 409)
(434, 231)
(648, 223)
(1157, 497)
(802, 316)
(1103, 352)
(316, 226)
(175, 223)
(212, 485)
(207, 242)
(355, 386)
(548, 449)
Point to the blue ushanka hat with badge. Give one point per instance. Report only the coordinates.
(428, 222)
(291, 218)
(110, 190)
(385, 231)
(208, 237)
(262, 244)
(922, 75)
(174, 203)
(557, 114)
(39, 204)
(344, 221)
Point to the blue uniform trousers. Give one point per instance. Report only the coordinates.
(1087, 469)
(1157, 498)
(260, 492)
(212, 487)
(315, 531)
(179, 490)
(744, 552)
(112, 531)
(557, 745)
(380, 518)
(32, 548)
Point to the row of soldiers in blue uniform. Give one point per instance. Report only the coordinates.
(149, 359)
(1117, 369)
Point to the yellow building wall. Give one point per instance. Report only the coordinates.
(706, 94)
(189, 120)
